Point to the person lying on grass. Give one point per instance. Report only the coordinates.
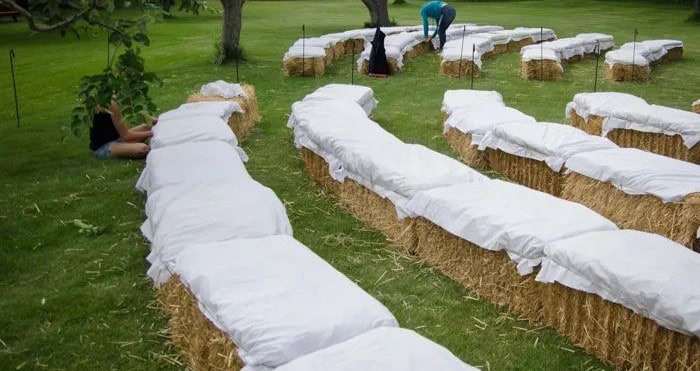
(111, 138)
(443, 14)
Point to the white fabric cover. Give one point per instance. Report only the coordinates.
(535, 54)
(606, 41)
(276, 299)
(601, 104)
(647, 273)
(180, 216)
(221, 109)
(191, 129)
(190, 163)
(537, 34)
(453, 99)
(362, 95)
(498, 215)
(495, 37)
(321, 42)
(478, 121)
(455, 54)
(304, 52)
(224, 89)
(543, 141)
(564, 48)
(482, 45)
(696, 103)
(382, 349)
(625, 56)
(638, 172)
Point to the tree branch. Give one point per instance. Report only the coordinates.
(43, 27)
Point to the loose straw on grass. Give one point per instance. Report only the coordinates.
(469, 153)
(678, 221)
(240, 123)
(540, 70)
(528, 172)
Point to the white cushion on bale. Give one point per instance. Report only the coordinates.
(224, 89)
(221, 109)
(382, 349)
(191, 129)
(276, 299)
(462, 98)
(503, 216)
(646, 273)
(191, 163)
(362, 95)
(543, 141)
(601, 104)
(478, 121)
(638, 172)
(179, 216)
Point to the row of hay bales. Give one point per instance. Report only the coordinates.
(605, 288)
(633, 188)
(544, 61)
(633, 61)
(239, 290)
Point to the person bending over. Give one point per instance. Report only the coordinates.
(111, 138)
(443, 14)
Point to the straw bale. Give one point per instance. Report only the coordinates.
(696, 108)
(592, 126)
(540, 70)
(490, 274)
(515, 46)
(317, 169)
(499, 49)
(329, 54)
(459, 69)
(615, 333)
(628, 72)
(662, 144)
(339, 50)
(526, 171)
(674, 54)
(678, 221)
(357, 44)
(469, 153)
(418, 49)
(240, 123)
(204, 346)
(310, 66)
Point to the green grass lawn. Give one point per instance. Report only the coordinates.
(70, 300)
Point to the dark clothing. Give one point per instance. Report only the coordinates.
(378, 64)
(448, 15)
(102, 130)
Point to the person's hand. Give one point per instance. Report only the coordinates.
(430, 39)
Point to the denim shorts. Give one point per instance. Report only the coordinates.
(103, 151)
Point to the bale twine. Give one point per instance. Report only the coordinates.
(592, 126)
(490, 274)
(528, 172)
(469, 153)
(515, 46)
(662, 144)
(615, 333)
(305, 67)
(628, 72)
(540, 70)
(459, 69)
(241, 123)
(678, 221)
(204, 346)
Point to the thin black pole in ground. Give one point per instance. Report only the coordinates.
(461, 52)
(14, 83)
(473, 51)
(597, 63)
(303, 42)
(541, 53)
(634, 52)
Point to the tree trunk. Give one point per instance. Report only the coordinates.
(231, 29)
(378, 12)
(167, 4)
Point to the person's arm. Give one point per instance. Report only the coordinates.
(124, 132)
(437, 27)
(425, 22)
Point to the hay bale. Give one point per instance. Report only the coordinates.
(317, 169)
(204, 346)
(540, 70)
(662, 144)
(616, 334)
(305, 66)
(418, 49)
(469, 153)
(490, 274)
(627, 72)
(515, 46)
(240, 123)
(330, 54)
(592, 126)
(528, 172)
(696, 107)
(678, 221)
(339, 50)
(499, 49)
(462, 68)
(674, 54)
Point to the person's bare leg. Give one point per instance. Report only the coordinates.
(128, 150)
(142, 127)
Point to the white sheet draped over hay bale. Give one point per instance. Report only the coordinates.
(540, 64)
(221, 109)
(465, 98)
(633, 61)
(386, 349)
(183, 130)
(696, 106)
(544, 61)
(362, 95)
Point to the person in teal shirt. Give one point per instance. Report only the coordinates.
(443, 14)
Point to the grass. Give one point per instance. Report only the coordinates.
(72, 300)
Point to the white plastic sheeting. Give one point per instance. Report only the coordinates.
(638, 172)
(647, 273)
(497, 215)
(222, 109)
(191, 129)
(543, 141)
(463, 98)
(382, 349)
(224, 89)
(478, 121)
(362, 95)
(276, 299)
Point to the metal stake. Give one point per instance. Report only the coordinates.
(14, 83)
(541, 53)
(597, 62)
(303, 42)
(461, 52)
(473, 51)
(634, 52)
